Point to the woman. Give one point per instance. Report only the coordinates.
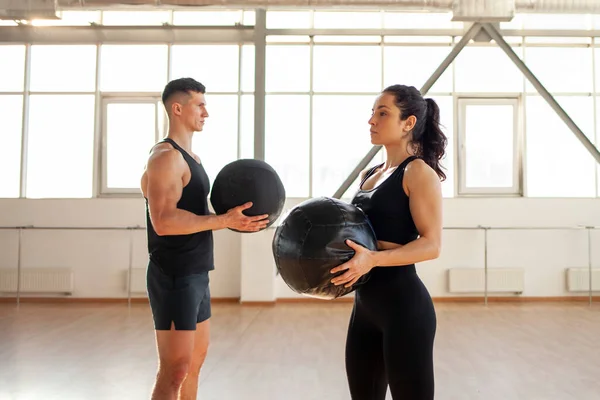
(393, 322)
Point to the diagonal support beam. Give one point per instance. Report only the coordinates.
(491, 30)
(470, 34)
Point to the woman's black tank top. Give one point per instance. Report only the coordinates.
(387, 207)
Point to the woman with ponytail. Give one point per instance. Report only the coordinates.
(393, 323)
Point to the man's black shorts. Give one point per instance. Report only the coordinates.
(183, 300)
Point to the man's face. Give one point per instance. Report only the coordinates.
(192, 112)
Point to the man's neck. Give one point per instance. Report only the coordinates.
(183, 139)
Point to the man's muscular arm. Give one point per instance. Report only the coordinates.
(165, 173)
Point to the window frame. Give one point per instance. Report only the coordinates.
(103, 189)
(461, 101)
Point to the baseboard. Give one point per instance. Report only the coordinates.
(510, 299)
(300, 300)
(101, 300)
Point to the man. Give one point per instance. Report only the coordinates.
(180, 243)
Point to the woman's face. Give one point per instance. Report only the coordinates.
(386, 125)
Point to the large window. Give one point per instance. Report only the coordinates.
(487, 69)
(347, 69)
(131, 127)
(133, 68)
(50, 72)
(215, 66)
(133, 123)
(561, 69)
(12, 68)
(84, 126)
(60, 152)
(341, 138)
(557, 163)
(287, 128)
(410, 65)
(288, 68)
(488, 146)
(10, 151)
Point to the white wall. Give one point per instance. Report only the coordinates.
(244, 262)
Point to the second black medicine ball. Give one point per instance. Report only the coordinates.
(311, 241)
(247, 180)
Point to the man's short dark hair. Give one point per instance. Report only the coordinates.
(182, 85)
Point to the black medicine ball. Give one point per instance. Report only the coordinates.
(247, 180)
(311, 241)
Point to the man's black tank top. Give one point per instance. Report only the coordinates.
(387, 207)
(179, 255)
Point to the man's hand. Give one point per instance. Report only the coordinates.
(235, 219)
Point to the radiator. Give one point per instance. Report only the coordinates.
(138, 280)
(578, 279)
(37, 280)
(472, 280)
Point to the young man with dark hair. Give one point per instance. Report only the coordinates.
(180, 242)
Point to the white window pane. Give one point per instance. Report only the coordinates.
(60, 166)
(246, 146)
(288, 19)
(338, 143)
(346, 39)
(398, 70)
(71, 18)
(347, 20)
(288, 39)
(249, 17)
(129, 18)
(133, 68)
(347, 69)
(130, 133)
(215, 66)
(247, 83)
(288, 69)
(487, 69)
(561, 69)
(50, 72)
(489, 148)
(557, 21)
(12, 68)
(597, 62)
(10, 151)
(217, 143)
(420, 20)
(446, 105)
(574, 40)
(557, 163)
(213, 18)
(287, 144)
(598, 141)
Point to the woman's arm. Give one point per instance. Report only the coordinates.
(425, 200)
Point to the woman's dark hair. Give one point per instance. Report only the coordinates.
(428, 141)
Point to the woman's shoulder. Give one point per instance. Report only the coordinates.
(418, 172)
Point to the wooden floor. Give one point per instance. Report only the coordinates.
(532, 351)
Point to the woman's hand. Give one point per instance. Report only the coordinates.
(361, 263)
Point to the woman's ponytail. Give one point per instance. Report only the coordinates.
(433, 140)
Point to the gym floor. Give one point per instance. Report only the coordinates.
(504, 351)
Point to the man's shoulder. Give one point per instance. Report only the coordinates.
(164, 156)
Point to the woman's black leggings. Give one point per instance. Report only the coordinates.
(390, 337)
